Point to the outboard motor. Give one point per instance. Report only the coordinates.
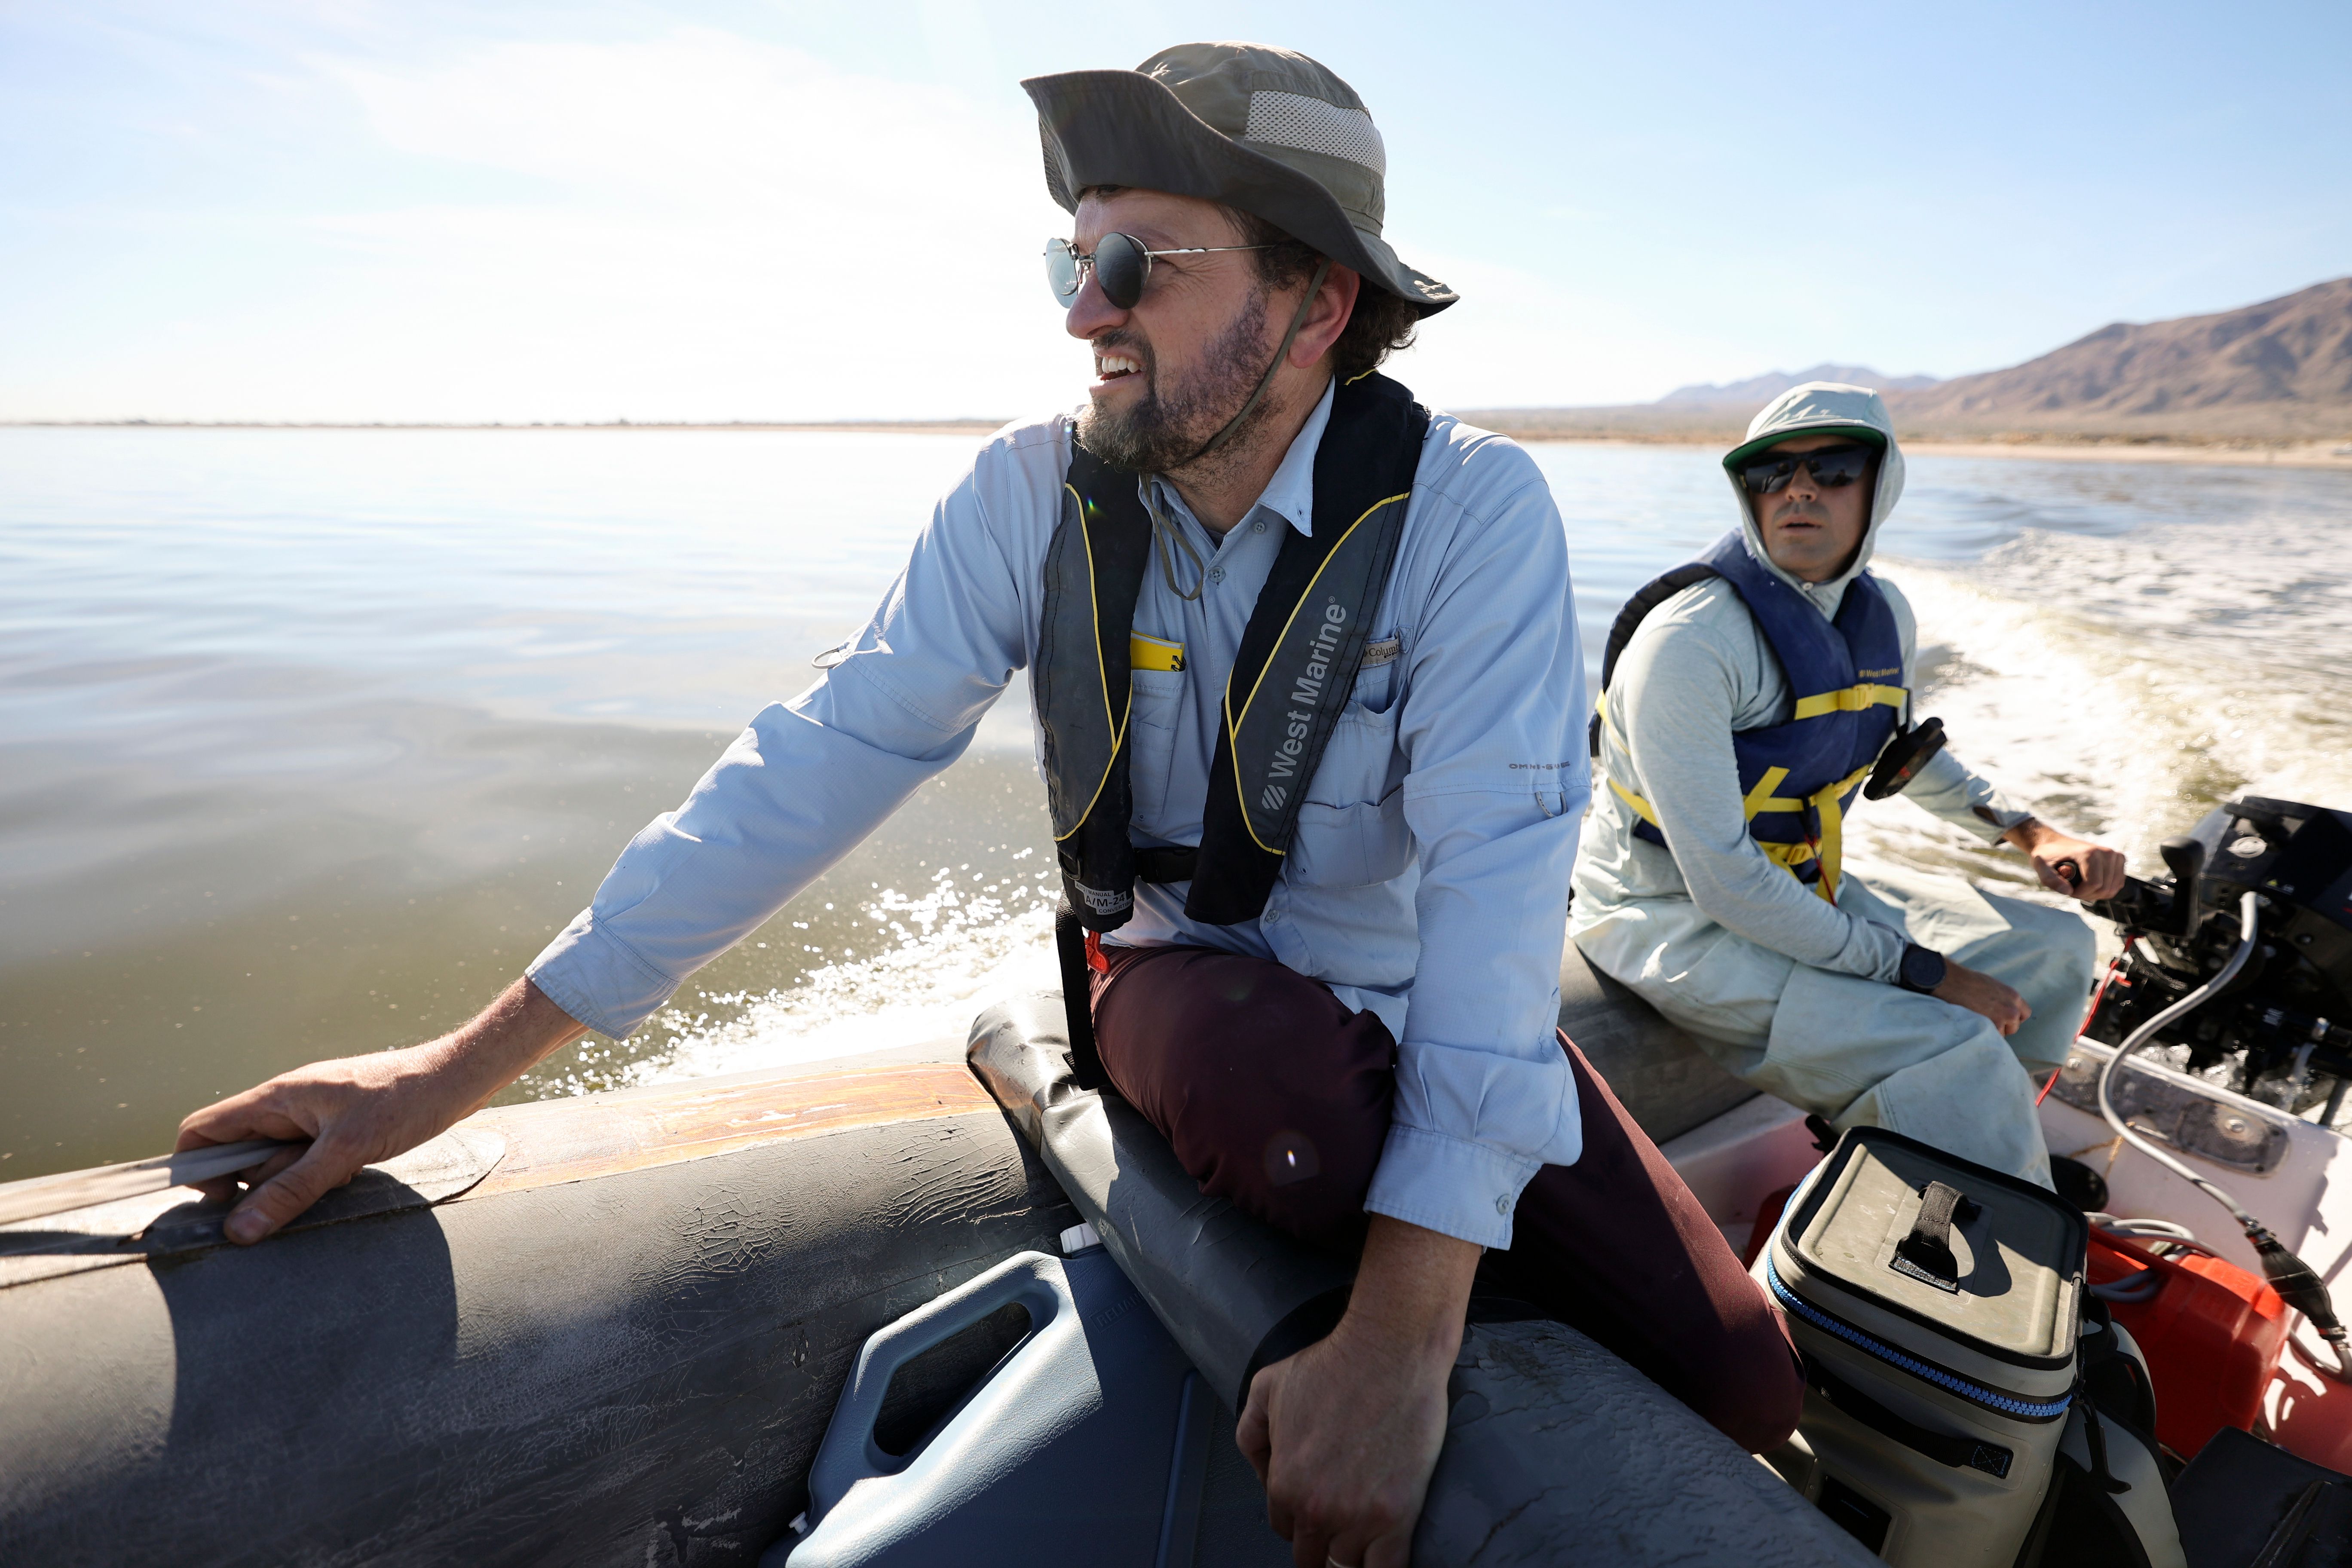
(2246, 956)
(2284, 1023)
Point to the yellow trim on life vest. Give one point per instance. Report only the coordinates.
(1154, 653)
(1853, 699)
(1118, 720)
(1233, 724)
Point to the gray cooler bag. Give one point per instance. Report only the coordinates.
(1936, 1304)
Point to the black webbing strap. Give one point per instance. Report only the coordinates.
(1647, 597)
(1960, 1453)
(1174, 863)
(1077, 996)
(1927, 1253)
(1171, 864)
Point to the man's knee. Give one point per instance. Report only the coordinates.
(1272, 1092)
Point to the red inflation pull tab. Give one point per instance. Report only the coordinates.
(1094, 959)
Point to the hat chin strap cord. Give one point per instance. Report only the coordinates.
(2290, 1276)
(1298, 321)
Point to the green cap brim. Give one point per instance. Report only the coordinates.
(1869, 435)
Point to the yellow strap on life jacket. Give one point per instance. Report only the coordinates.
(1832, 844)
(1763, 799)
(1831, 848)
(1852, 699)
(1641, 807)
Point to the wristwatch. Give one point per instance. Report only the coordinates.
(1922, 970)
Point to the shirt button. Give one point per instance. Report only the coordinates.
(1259, 527)
(1216, 573)
(1273, 916)
(1502, 1203)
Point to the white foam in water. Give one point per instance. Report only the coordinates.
(957, 951)
(2126, 686)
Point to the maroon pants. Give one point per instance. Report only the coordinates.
(1276, 1097)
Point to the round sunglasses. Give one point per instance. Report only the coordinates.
(1833, 468)
(1120, 263)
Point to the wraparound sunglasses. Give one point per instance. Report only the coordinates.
(1833, 468)
(1120, 263)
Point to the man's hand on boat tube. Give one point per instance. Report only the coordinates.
(1346, 1433)
(360, 1111)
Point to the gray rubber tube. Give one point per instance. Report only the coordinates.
(1555, 1450)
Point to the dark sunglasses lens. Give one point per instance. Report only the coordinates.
(1062, 274)
(1832, 468)
(1838, 466)
(1120, 263)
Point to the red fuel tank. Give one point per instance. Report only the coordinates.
(2211, 1331)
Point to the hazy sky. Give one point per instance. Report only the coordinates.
(342, 209)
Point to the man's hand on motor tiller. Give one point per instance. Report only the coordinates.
(1346, 1433)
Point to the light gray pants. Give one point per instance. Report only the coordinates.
(1862, 1053)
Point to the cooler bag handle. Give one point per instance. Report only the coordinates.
(1927, 1253)
(1960, 1453)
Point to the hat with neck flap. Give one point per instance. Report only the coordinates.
(1264, 131)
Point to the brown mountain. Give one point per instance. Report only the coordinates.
(2281, 369)
(1758, 390)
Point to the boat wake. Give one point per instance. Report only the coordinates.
(953, 948)
(2124, 687)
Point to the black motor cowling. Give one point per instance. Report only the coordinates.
(2284, 1023)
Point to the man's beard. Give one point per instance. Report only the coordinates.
(1170, 423)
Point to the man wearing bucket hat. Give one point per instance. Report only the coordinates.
(1304, 662)
(1749, 700)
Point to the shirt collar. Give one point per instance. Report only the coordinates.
(1290, 494)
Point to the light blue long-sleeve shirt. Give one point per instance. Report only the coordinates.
(1428, 879)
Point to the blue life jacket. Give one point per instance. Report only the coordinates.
(1797, 778)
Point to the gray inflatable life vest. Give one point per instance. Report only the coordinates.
(1295, 667)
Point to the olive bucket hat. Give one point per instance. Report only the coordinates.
(1264, 131)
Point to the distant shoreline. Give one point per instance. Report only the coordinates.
(2220, 452)
(2234, 455)
(838, 427)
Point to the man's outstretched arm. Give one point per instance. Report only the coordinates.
(358, 1110)
(799, 787)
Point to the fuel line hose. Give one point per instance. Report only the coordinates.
(2295, 1281)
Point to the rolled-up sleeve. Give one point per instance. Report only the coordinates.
(1495, 792)
(811, 777)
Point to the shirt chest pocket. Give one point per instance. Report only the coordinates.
(1156, 702)
(1351, 827)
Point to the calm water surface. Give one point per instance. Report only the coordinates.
(309, 739)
